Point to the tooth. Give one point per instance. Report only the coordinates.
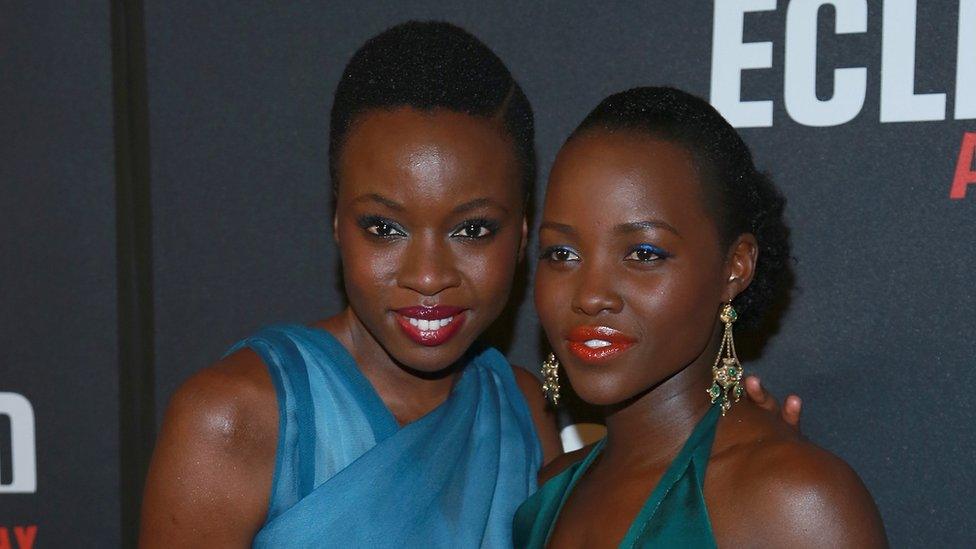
(413, 321)
(448, 320)
(424, 325)
(436, 324)
(596, 343)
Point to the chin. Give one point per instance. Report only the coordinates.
(600, 389)
(429, 360)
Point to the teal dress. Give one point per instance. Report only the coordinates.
(673, 516)
(347, 475)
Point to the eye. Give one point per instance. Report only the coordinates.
(559, 254)
(476, 228)
(383, 228)
(646, 253)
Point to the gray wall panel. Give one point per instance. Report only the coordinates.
(57, 279)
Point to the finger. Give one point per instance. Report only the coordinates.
(757, 393)
(792, 407)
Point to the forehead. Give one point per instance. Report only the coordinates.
(405, 153)
(626, 174)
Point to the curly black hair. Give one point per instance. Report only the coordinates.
(429, 65)
(739, 197)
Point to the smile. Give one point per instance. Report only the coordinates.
(430, 326)
(598, 343)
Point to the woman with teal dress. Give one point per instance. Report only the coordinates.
(388, 424)
(658, 235)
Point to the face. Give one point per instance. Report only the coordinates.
(632, 273)
(430, 228)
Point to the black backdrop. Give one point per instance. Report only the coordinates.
(165, 192)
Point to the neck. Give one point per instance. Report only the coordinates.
(651, 428)
(407, 393)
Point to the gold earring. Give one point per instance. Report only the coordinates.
(727, 370)
(550, 379)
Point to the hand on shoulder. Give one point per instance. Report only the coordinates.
(210, 476)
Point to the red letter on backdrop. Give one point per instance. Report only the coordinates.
(4, 538)
(25, 536)
(964, 167)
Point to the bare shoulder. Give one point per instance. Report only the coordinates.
(543, 415)
(232, 404)
(777, 489)
(210, 476)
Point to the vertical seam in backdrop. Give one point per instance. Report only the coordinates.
(137, 407)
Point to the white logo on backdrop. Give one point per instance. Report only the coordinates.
(20, 461)
(731, 56)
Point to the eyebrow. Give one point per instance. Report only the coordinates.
(623, 228)
(478, 203)
(558, 227)
(466, 207)
(649, 224)
(373, 197)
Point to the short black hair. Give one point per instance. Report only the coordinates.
(429, 65)
(740, 198)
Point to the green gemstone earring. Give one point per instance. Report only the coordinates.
(727, 370)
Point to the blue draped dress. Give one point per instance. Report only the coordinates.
(347, 475)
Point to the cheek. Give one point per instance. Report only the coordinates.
(677, 315)
(549, 293)
(488, 270)
(367, 269)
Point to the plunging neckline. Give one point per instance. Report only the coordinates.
(660, 491)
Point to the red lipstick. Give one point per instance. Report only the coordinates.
(598, 343)
(430, 326)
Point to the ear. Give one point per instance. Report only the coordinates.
(525, 238)
(740, 266)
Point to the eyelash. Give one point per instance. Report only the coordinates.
(658, 253)
(489, 225)
(381, 227)
(549, 254)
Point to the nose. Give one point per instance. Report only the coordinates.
(428, 266)
(595, 291)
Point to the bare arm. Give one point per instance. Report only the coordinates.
(210, 476)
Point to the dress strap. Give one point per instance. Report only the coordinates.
(675, 512)
(289, 373)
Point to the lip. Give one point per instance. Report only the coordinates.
(618, 342)
(431, 338)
